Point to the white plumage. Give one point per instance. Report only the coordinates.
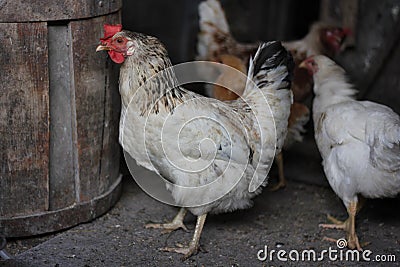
(158, 143)
(221, 151)
(358, 140)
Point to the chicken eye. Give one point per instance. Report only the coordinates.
(119, 40)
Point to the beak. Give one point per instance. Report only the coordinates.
(103, 47)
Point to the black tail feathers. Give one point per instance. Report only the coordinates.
(271, 55)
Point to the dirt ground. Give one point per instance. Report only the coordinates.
(284, 220)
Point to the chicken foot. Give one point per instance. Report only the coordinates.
(348, 226)
(281, 176)
(176, 223)
(194, 244)
(360, 203)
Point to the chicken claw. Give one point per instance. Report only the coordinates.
(348, 226)
(336, 224)
(193, 247)
(335, 221)
(186, 251)
(176, 223)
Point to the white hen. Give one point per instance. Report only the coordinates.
(358, 141)
(165, 125)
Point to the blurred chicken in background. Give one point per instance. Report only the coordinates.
(216, 43)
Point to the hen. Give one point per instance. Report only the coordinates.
(215, 42)
(359, 142)
(167, 129)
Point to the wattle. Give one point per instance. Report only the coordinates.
(116, 57)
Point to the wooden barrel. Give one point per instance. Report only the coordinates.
(59, 115)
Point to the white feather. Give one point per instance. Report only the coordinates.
(358, 140)
(226, 141)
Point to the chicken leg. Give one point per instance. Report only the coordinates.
(349, 226)
(281, 176)
(176, 223)
(194, 244)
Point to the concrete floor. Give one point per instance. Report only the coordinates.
(284, 220)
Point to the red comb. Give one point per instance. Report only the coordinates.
(110, 30)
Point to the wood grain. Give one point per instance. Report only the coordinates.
(59, 117)
(62, 120)
(24, 118)
(39, 10)
(96, 111)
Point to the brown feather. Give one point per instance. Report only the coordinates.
(235, 83)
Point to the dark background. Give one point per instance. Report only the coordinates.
(176, 22)
(371, 64)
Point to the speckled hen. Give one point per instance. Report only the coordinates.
(157, 114)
